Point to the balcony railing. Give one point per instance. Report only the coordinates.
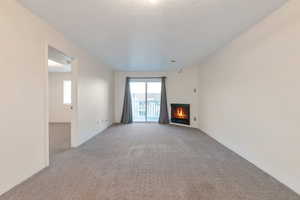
(139, 110)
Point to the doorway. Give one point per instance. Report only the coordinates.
(145, 95)
(60, 101)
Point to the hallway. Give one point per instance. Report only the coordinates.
(150, 161)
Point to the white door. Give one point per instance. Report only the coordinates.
(60, 97)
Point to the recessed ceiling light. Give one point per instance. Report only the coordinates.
(153, 1)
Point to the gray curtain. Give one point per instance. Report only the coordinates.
(127, 105)
(163, 115)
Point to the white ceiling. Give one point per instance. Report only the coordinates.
(58, 61)
(136, 35)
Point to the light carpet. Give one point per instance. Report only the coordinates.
(150, 161)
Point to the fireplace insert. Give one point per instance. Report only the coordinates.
(180, 113)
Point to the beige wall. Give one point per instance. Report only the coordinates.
(95, 100)
(23, 85)
(180, 89)
(58, 112)
(249, 95)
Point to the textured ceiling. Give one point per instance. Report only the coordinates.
(137, 35)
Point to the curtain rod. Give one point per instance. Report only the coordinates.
(147, 77)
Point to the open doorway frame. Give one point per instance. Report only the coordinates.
(74, 115)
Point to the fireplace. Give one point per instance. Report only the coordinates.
(180, 113)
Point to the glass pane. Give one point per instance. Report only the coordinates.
(153, 101)
(67, 92)
(138, 97)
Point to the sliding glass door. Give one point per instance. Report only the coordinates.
(145, 94)
(138, 97)
(153, 100)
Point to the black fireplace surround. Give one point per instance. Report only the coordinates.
(180, 113)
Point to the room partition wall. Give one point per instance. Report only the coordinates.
(146, 95)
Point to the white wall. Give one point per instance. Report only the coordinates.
(250, 95)
(95, 100)
(23, 84)
(58, 112)
(180, 89)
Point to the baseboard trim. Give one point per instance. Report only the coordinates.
(23, 180)
(242, 155)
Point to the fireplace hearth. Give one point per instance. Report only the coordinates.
(180, 113)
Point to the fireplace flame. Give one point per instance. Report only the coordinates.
(180, 113)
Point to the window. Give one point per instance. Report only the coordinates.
(67, 92)
(145, 95)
